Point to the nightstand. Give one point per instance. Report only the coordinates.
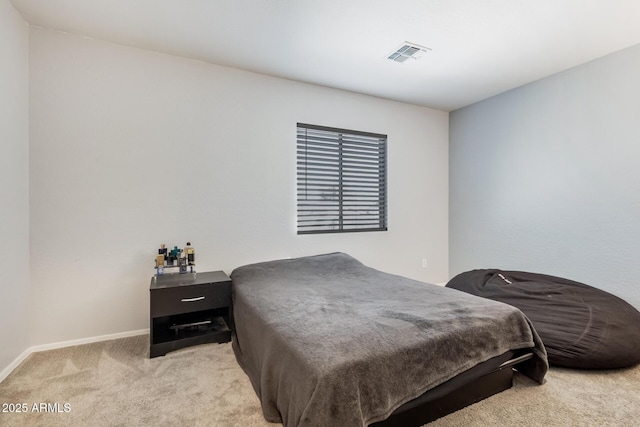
(189, 309)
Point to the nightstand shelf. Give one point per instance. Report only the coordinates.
(188, 310)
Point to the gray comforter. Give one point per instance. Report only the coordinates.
(326, 340)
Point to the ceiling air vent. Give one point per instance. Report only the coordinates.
(408, 50)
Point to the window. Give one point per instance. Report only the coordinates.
(342, 180)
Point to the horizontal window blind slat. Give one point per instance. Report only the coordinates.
(311, 137)
(333, 145)
(347, 226)
(330, 157)
(335, 214)
(327, 137)
(350, 175)
(324, 177)
(325, 144)
(350, 165)
(328, 184)
(306, 210)
(353, 194)
(337, 210)
(317, 128)
(323, 219)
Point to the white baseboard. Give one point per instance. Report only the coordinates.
(52, 346)
(13, 365)
(89, 340)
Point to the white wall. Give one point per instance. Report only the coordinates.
(14, 184)
(132, 148)
(546, 178)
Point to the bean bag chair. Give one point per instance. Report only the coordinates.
(580, 326)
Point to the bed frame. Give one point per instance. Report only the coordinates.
(442, 400)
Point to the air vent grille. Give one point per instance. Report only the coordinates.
(408, 50)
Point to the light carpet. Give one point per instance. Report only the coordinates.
(114, 383)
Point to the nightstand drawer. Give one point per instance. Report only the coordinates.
(186, 299)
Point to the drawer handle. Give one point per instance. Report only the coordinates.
(192, 299)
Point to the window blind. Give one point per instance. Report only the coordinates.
(341, 180)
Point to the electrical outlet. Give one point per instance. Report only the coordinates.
(424, 263)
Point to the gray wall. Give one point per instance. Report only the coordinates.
(546, 177)
(132, 148)
(14, 185)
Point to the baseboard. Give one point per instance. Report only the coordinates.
(13, 365)
(52, 346)
(89, 340)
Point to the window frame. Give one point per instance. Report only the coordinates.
(355, 163)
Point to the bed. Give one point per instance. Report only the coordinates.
(326, 340)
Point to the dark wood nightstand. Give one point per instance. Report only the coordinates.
(189, 309)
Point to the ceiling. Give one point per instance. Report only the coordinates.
(479, 48)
